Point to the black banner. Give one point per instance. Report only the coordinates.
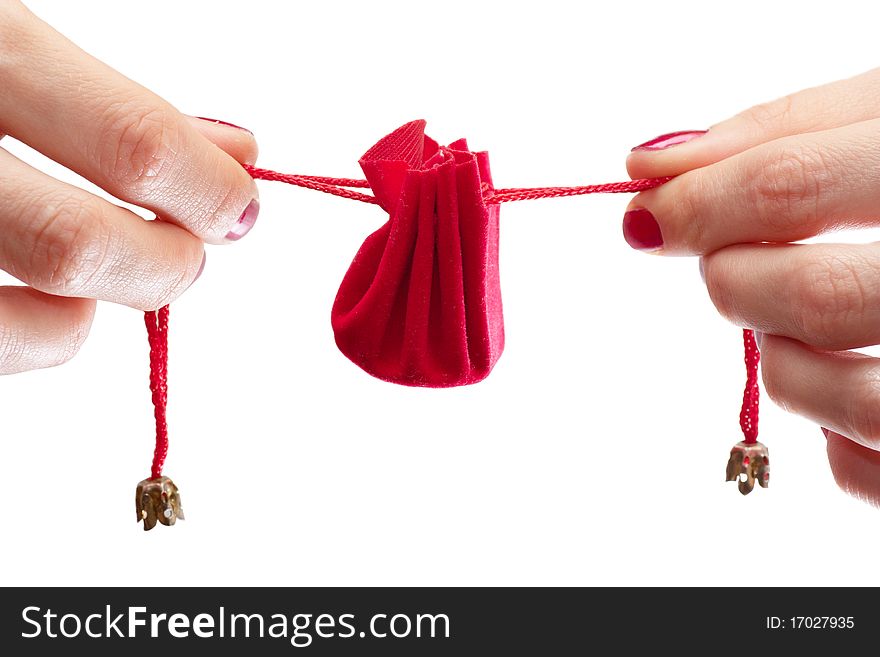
(423, 621)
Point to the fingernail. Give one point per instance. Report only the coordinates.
(226, 123)
(825, 431)
(669, 139)
(758, 337)
(702, 270)
(641, 231)
(245, 222)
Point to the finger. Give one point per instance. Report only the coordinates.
(38, 330)
(838, 390)
(64, 241)
(856, 469)
(236, 141)
(826, 295)
(821, 108)
(782, 191)
(124, 138)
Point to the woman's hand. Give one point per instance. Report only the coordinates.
(745, 190)
(775, 174)
(72, 247)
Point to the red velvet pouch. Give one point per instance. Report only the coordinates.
(420, 304)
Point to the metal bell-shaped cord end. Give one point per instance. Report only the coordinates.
(158, 500)
(748, 463)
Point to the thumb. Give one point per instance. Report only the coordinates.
(820, 108)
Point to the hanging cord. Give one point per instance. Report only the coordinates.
(749, 461)
(748, 415)
(157, 333)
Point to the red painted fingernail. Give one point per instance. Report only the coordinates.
(641, 231)
(226, 123)
(670, 139)
(245, 222)
(825, 431)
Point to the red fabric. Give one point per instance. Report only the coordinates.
(420, 304)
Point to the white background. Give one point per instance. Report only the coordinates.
(594, 453)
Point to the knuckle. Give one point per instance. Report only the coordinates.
(778, 114)
(138, 146)
(786, 185)
(827, 293)
(71, 246)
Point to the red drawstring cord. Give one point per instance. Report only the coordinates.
(157, 321)
(157, 332)
(748, 415)
(527, 194)
(336, 186)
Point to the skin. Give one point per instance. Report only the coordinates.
(753, 184)
(71, 247)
